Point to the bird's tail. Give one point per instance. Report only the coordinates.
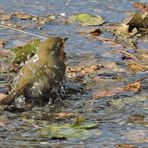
(9, 98)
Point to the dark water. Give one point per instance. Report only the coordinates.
(111, 114)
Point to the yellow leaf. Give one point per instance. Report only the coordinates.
(135, 67)
(133, 87)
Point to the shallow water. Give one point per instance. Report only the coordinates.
(111, 113)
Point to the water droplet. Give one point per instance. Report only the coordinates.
(63, 14)
(56, 67)
(36, 84)
(39, 91)
(35, 58)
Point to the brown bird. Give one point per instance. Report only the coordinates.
(42, 74)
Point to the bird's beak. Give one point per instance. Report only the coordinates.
(65, 39)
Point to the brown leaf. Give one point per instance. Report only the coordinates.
(136, 67)
(63, 115)
(137, 136)
(22, 15)
(142, 54)
(106, 93)
(96, 32)
(138, 119)
(133, 87)
(125, 146)
(5, 17)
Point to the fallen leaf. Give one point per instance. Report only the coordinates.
(137, 136)
(136, 67)
(106, 93)
(63, 115)
(138, 119)
(96, 32)
(45, 19)
(5, 17)
(143, 56)
(22, 16)
(66, 131)
(133, 87)
(86, 19)
(126, 146)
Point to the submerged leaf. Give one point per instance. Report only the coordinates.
(86, 19)
(68, 131)
(137, 119)
(86, 125)
(137, 136)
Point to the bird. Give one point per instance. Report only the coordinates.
(42, 74)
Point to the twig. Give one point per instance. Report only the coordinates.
(140, 79)
(8, 27)
(128, 54)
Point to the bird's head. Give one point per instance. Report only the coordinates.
(54, 45)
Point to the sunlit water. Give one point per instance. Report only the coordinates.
(113, 119)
